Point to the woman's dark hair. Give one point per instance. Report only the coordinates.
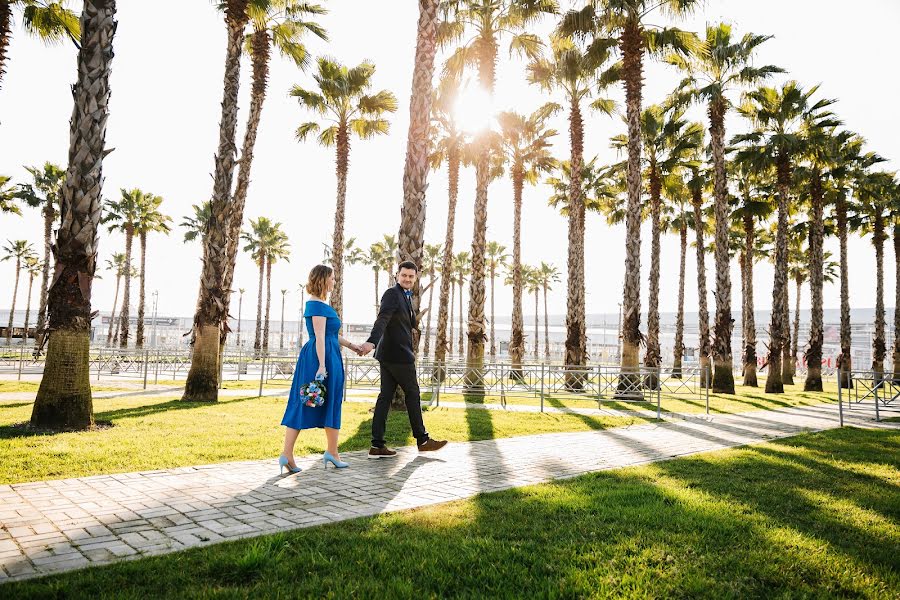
(408, 264)
(317, 284)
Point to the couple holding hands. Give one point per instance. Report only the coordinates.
(391, 338)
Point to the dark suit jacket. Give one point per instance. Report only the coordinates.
(392, 332)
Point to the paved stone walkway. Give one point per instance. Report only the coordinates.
(53, 526)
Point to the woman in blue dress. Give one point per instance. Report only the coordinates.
(321, 355)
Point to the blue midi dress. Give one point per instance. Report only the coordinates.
(297, 415)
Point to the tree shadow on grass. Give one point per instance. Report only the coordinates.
(695, 527)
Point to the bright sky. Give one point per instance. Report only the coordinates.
(166, 90)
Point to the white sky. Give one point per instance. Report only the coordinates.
(166, 90)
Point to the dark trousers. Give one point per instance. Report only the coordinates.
(392, 375)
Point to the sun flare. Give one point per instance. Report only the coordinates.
(473, 110)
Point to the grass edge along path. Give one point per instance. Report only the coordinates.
(812, 515)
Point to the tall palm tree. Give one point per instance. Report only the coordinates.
(696, 184)
(448, 144)
(676, 193)
(374, 259)
(64, 396)
(17, 251)
(411, 235)
(279, 25)
(875, 196)
(777, 115)
(51, 22)
(195, 225)
(150, 219)
(496, 259)
(477, 27)
(258, 240)
(622, 23)
(577, 71)
(430, 261)
(389, 257)
(33, 268)
(118, 265)
(211, 315)
(462, 266)
(532, 281)
(526, 146)
(342, 100)
(124, 215)
(722, 65)
(45, 192)
(277, 248)
(453, 279)
(547, 275)
(8, 197)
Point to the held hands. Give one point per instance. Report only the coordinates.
(364, 348)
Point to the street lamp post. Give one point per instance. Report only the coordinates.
(155, 305)
(240, 306)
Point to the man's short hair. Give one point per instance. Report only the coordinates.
(408, 264)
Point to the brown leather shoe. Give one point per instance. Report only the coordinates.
(383, 452)
(431, 445)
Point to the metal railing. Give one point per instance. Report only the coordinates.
(859, 387)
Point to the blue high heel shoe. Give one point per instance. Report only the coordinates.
(328, 458)
(283, 463)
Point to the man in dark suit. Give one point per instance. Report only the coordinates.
(393, 343)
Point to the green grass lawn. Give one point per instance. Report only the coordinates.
(817, 515)
(162, 432)
(7, 385)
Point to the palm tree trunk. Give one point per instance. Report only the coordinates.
(452, 312)
(537, 331)
(787, 370)
(794, 341)
(431, 283)
(49, 218)
(212, 313)
(813, 354)
(28, 308)
(517, 333)
(576, 335)
(702, 310)
(64, 397)
(377, 301)
(139, 335)
(257, 340)
(879, 349)
(748, 320)
(778, 327)
(337, 244)
(5, 27)
(12, 309)
(844, 361)
(126, 300)
(631, 44)
(411, 237)
(112, 317)
(265, 341)
(260, 43)
(679, 319)
(895, 362)
(462, 348)
(546, 328)
(723, 363)
(493, 335)
(445, 303)
(653, 355)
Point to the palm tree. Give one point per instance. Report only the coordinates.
(149, 220)
(51, 22)
(116, 264)
(124, 216)
(448, 144)
(278, 24)
(533, 286)
(577, 71)
(496, 259)
(481, 24)
(453, 279)
(389, 257)
(277, 248)
(777, 116)
(195, 226)
(430, 262)
(45, 192)
(8, 197)
(415, 169)
(343, 101)
(622, 23)
(211, 315)
(875, 196)
(258, 240)
(374, 259)
(546, 275)
(526, 145)
(677, 194)
(33, 268)
(18, 251)
(64, 398)
(462, 266)
(696, 184)
(722, 65)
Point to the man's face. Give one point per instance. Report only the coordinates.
(406, 278)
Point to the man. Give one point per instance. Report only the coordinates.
(392, 338)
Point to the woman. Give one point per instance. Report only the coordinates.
(321, 355)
